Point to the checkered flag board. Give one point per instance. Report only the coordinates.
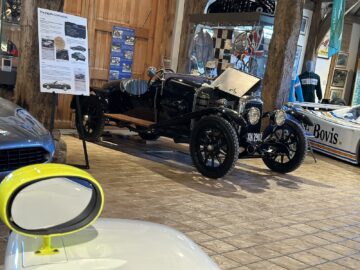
(222, 46)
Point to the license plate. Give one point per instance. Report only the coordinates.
(254, 137)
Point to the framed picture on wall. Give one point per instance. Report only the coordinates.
(304, 25)
(342, 60)
(336, 93)
(339, 78)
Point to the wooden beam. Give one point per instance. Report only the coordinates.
(107, 26)
(282, 51)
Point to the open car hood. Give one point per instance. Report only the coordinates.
(236, 83)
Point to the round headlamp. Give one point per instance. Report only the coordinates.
(254, 116)
(280, 117)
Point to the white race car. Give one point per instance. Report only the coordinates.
(336, 130)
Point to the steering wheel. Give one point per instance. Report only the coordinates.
(159, 74)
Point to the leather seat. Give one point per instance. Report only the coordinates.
(135, 87)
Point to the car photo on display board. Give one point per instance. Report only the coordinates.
(63, 50)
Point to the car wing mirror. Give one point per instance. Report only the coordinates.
(49, 200)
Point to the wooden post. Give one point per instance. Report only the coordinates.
(282, 50)
(27, 89)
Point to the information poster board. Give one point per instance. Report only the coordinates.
(122, 53)
(63, 53)
(356, 96)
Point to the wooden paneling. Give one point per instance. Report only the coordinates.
(153, 23)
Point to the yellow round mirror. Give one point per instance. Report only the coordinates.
(49, 200)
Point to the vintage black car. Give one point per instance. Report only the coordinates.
(56, 85)
(221, 121)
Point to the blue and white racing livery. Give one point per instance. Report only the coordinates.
(336, 130)
(23, 140)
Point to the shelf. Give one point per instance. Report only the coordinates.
(232, 19)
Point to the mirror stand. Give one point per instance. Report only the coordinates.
(46, 248)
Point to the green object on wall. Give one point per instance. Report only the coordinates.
(337, 26)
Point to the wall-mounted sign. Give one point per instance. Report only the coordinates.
(63, 53)
(122, 53)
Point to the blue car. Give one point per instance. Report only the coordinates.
(23, 140)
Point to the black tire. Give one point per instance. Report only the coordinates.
(295, 142)
(212, 138)
(93, 119)
(149, 136)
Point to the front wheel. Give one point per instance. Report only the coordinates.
(214, 147)
(285, 147)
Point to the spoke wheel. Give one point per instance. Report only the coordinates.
(288, 147)
(92, 119)
(214, 147)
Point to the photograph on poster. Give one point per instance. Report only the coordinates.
(339, 78)
(130, 40)
(129, 55)
(63, 51)
(114, 74)
(78, 56)
(115, 61)
(342, 60)
(117, 34)
(116, 48)
(75, 30)
(48, 49)
(62, 55)
(303, 26)
(126, 67)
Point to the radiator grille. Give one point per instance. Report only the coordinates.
(12, 159)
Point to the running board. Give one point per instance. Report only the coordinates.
(130, 120)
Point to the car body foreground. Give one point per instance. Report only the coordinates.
(52, 212)
(23, 140)
(112, 244)
(336, 130)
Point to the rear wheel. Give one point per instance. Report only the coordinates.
(92, 119)
(214, 147)
(287, 147)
